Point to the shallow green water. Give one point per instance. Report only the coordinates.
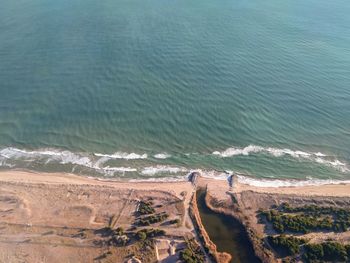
(226, 232)
(177, 78)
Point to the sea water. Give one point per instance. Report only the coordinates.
(154, 89)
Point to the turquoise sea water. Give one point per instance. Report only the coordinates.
(157, 88)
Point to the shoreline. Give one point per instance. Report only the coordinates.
(232, 183)
(154, 168)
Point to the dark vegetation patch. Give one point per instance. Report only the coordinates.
(152, 219)
(113, 237)
(192, 253)
(286, 245)
(327, 252)
(174, 221)
(145, 238)
(293, 248)
(145, 234)
(119, 237)
(306, 219)
(145, 208)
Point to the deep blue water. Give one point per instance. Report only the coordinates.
(186, 78)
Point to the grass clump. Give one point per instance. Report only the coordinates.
(145, 208)
(145, 234)
(175, 222)
(192, 253)
(152, 219)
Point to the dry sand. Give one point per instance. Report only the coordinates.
(313, 190)
(56, 217)
(53, 217)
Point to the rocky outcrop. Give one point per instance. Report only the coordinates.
(193, 177)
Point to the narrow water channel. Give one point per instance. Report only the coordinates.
(227, 233)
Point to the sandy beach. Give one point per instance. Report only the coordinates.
(46, 212)
(308, 190)
(50, 217)
(175, 187)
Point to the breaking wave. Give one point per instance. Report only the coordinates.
(93, 161)
(318, 157)
(287, 183)
(63, 157)
(273, 151)
(275, 183)
(162, 156)
(122, 155)
(120, 169)
(152, 170)
(121, 163)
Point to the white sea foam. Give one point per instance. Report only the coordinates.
(239, 151)
(280, 152)
(120, 169)
(286, 183)
(232, 151)
(63, 157)
(162, 179)
(101, 161)
(15, 153)
(9, 155)
(72, 158)
(162, 156)
(318, 157)
(4, 164)
(111, 171)
(123, 155)
(152, 170)
(333, 163)
(212, 174)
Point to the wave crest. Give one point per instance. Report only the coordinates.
(162, 156)
(123, 155)
(152, 170)
(318, 157)
(275, 183)
(63, 157)
(239, 151)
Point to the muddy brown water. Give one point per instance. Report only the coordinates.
(227, 233)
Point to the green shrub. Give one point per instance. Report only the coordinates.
(141, 235)
(334, 251)
(192, 253)
(286, 245)
(306, 219)
(313, 252)
(145, 208)
(149, 233)
(152, 219)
